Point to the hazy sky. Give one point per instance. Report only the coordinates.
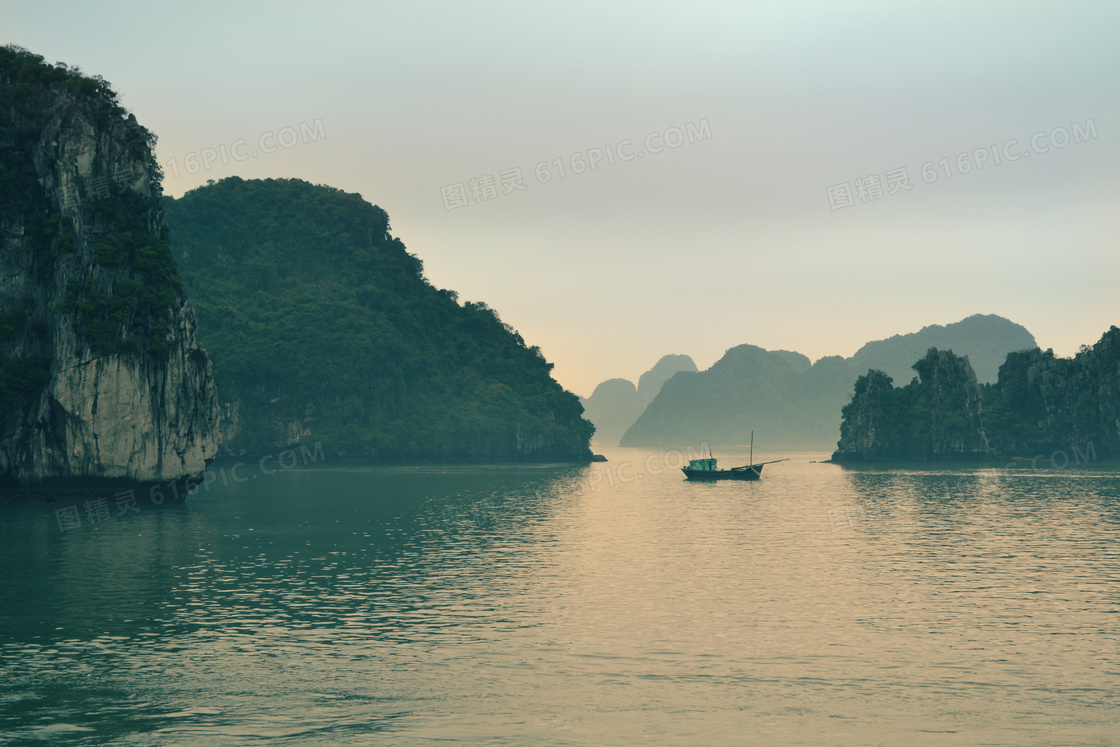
(731, 238)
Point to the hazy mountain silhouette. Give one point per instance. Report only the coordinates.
(612, 407)
(649, 384)
(985, 338)
(616, 403)
(791, 403)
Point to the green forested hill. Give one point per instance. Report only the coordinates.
(321, 326)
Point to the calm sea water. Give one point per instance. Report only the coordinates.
(608, 604)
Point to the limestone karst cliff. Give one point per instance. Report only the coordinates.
(100, 373)
(935, 416)
(1040, 405)
(1043, 403)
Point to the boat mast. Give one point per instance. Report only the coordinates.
(752, 449)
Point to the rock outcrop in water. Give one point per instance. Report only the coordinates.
(100, 373)
(1040, 405)
(937, 416)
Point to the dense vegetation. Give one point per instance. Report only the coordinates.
(134, 317)
(1039, 404)
(1042, 402)
(937, 414)
(321, 326)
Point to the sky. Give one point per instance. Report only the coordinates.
(796, 175)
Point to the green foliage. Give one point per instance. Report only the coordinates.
(112, 251)
(12, 323)
(22, 379)
(135, 315)
(936, 414)
(1040, 404)
(1014, 409)
(312, 312)
(132, 319)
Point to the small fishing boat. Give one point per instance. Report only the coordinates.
(706, 469)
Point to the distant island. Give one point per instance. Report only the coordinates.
(616, 403)
(1040, 405)
(794, 402)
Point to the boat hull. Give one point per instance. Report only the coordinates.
(752, 473)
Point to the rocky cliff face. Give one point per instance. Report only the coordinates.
(865, 429)
(936, 417)
(1040, 405)
(948, 391)
(100, 373)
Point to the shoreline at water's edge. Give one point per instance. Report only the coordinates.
(1039, 462)
(57, 490)
(62, 489)
(319, 456)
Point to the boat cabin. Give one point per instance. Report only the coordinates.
(702, 465)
